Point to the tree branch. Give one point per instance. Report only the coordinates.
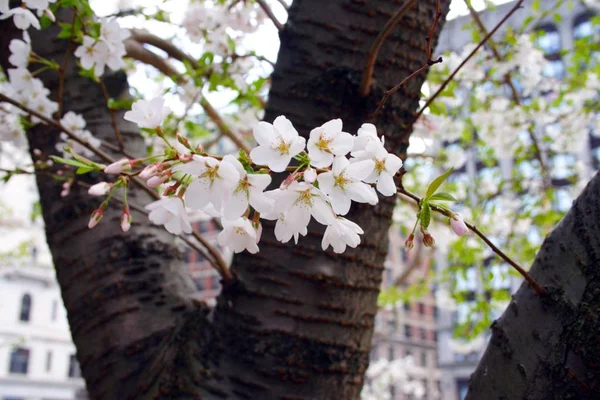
(367, 77)
(269, 12)
(536, 286)
(113, 118)
(462, 64)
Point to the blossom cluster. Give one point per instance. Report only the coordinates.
(22, 16)
(322, 184)
(23, 86)
(76, 125)
(107, 49)
(212, 24)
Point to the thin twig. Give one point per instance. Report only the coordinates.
(284, 4)
(270, 14)
(424, 67)
(367, 77)
(462, 64)
(113, 117)
(536, 286)
(63, 69)
(219, 263)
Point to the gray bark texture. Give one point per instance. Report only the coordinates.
(295, 322)
(548, 347)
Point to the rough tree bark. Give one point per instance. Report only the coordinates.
(547, 347)
(295, 323)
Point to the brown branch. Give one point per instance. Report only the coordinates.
(424, 67)
(113, 117)
(218, 262)
(143, 36)
(536, 286)
(270, 14)
(513, 90)
(284, 4)
(415, 263)
(462, 64)
(367, 77)
(63, 68)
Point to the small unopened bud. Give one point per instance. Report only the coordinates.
(288, 181)
(37, 152)
(149, 171)
(126, 220)
(117, 167)
(185, 158)
(183, 140)
(458, 225)
(258, 228)
(158, 180)
(410, 242)
(50, 14)
(310, 175)
(95, 218)
(428, 240)
(169, 191)
(99, 189)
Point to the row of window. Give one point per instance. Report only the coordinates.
(19, 362)
(27, 304)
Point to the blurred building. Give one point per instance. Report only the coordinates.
(37, 356)
(409, 329)
(457, 360)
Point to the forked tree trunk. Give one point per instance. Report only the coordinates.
(295, 323)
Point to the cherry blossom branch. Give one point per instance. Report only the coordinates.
(514, 93)
(536, 286)
(145, 37)
(270, 14)
(218, 262)
(284, 4)
(136, 51)
(424, 67)
(466, 60)
(63, 68)
(113, 117)
(367, 77)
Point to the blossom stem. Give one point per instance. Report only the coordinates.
(270, 14)
(536, 286)
(113, 117)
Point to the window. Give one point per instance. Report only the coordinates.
(54, 310)
(25, 307)
(423, 333)
(407, 331)
(48, 361)
(392, 323)
(391, 353)
(548, 39)
(584, 27)
(424, 358)
(74, 371)
(554, 69)
(19, 361)
(421, 308)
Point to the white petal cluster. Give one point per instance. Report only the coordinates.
(334, 169)
(76, 124)
(218, 25)
(30, 91)
(22, 16)
(106, 50)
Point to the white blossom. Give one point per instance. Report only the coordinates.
(148, 114)
(341, 233)
(343, 184)
(22, 18)
(239, 235)
(249, 190)
(92, 54)
(99, 189)
(366, 134)
(20, 50)
(328, 141)
(214, 181)
(386, 165)
(171, 213)
(277, 144)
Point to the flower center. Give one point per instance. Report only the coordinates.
(211, 173)
(243, 186)
(380, 165)
(305, 198)
(282, 147)
(240, 231)
(323, 143)
(341, 180)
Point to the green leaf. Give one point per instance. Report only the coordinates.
(84, 170)
(425, 214)
(443, 196)
(437, 182)
(67, 161)
(536, 5)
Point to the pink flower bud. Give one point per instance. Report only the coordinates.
(428, 240)
(149, 171)
(95, 218)
(288, 181)
(158, 180)
(99, 189)
(37, 152)
(49, 14)
(118, 166)
(310, 175)
(126, 220)
(410, 242)
(458, 225)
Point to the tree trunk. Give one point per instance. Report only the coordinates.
(296, 322)
(546, 347)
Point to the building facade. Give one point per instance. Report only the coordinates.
(554, 35)
(37, 356)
